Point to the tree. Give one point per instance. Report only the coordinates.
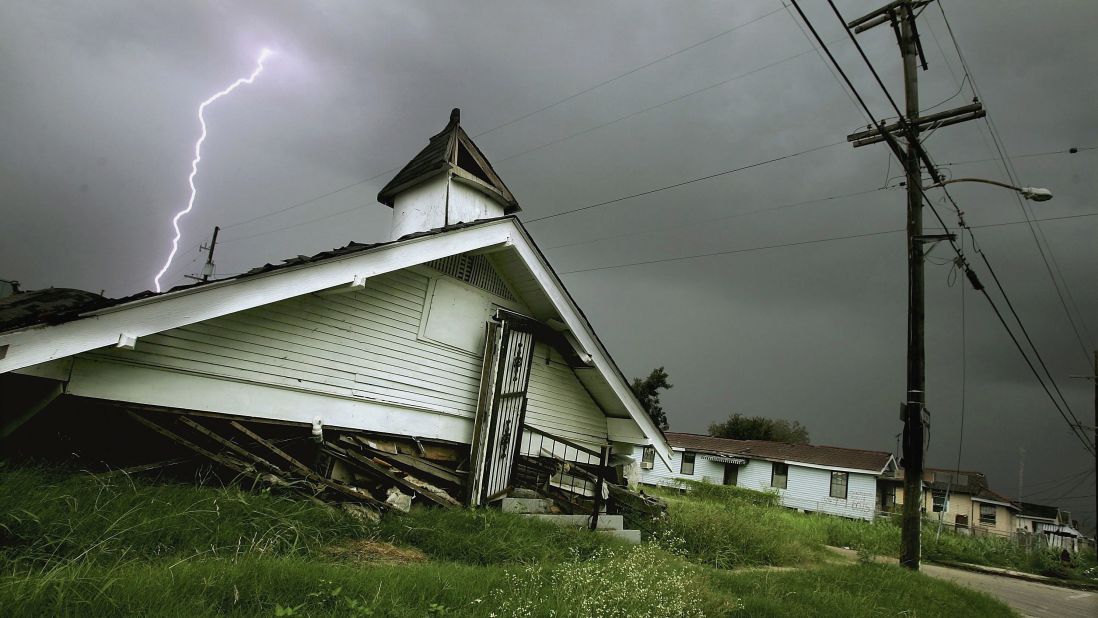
(760, 428)
(648, 393)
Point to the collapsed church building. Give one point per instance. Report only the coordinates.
(446, 366)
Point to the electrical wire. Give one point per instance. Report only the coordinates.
(676, 99)
(922, 152)
(1073, 150)
(628, 73)
(711, 220)
(498, 161)
(732, 251)
(686, 182)
(1049, 258)
(525, 116)
(887, 136)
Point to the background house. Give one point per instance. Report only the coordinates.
(963, 500)
(1053, 527)
(809, 478)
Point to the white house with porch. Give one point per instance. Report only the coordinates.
(454, 340)
(809, 478)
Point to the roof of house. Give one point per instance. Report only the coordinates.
(47, 306)
(51, 306)
(1040, 511)
(451, 148)
(88, 321)
(834, 456)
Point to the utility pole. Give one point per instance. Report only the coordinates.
(208, 267)
(901, 15)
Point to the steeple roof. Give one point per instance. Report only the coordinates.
(451, 149)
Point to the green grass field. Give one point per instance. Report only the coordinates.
(74, 544)
(709, 511)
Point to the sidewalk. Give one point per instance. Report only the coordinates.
(1030, 595)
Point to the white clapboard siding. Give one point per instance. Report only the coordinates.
(558, 404)
(362, 344)
(704, 470)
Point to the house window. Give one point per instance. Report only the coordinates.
(839, 482)
(648, 458)
(987, 514)
(779, 475)
(939, 498)
(687, 466)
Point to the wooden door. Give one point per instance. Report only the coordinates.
(508, 353)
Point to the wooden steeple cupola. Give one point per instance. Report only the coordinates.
(450, 181)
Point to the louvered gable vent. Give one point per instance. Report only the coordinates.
(475, 270)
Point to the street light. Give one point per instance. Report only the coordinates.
(1036, 194)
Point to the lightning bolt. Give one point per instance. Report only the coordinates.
(198, 157)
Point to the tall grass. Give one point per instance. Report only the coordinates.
(731, 526)
(50, 518)
(489, 537)
(727, 527)
(80, 545)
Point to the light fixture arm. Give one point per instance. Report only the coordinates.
(1036, 194)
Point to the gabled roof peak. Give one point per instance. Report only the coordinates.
(450, 150)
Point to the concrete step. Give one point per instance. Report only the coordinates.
(629, 536)
(526, 505)
(606, 522)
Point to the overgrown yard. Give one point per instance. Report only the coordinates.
(74, 544)
(714, 511)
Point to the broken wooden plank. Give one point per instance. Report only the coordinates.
(353, 458)
(274, 449)
(347, 490)
(228, 462)
(229, 444)
(416, 464)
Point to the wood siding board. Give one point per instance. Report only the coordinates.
(558, 404)
(380, 343)
(318, 364)
(370, 304)
(186, 349)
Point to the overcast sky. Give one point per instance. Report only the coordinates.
(97, 125)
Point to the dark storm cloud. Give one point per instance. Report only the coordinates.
(97, 104)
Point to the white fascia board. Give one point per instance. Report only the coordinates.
(573, 317)
(159, 313)
(790, 462)
(998, 502)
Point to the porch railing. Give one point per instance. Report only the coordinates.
(560, 467)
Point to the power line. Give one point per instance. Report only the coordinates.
(733, 251)
(656, 106)
(686, 182)
(925, 156)
(887, 136)
(538, 111)
(627, 73)
(1049, 259)
(1073, 150)
(778, 246)
(721, 218)
(498, 161)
